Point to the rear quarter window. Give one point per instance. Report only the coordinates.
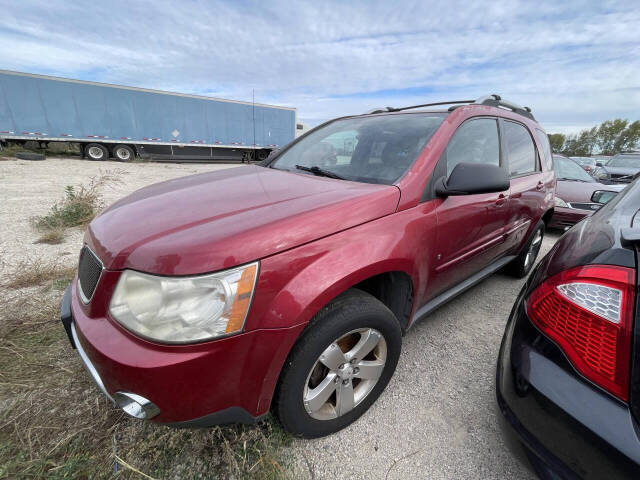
(520, 149)
(547, 155)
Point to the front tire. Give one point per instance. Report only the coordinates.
(339, 367)
(523, 263)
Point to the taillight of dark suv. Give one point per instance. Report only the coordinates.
(588, 312)
(568, 373)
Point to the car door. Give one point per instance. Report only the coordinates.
(526, 179)
(470, 228)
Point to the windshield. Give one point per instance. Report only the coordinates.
(625, 161)
(373, 149)
(569, 170)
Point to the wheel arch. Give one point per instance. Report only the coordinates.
(376, 279)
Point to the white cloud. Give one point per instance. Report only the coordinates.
(574, 63)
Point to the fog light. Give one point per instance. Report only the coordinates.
(135, 405)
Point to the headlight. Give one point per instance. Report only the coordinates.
(184, 309)
(561, 203)
(602, 175)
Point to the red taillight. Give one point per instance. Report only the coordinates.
(588, 312)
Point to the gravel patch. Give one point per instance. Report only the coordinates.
(28, 189)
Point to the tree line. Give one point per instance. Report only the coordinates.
(608, 138)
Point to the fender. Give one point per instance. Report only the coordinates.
(303, 280)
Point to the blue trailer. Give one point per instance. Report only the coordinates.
(117, 121)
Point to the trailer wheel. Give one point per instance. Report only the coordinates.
(124, 153)
(248, 156)
(263, 154)
(97, 152)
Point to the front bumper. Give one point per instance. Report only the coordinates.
(222, 381)
(567, 217)
(567, 427)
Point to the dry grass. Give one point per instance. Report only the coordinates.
(53, 236)
(35, 272)
(9, 152)
(55, 423)
(79, 205)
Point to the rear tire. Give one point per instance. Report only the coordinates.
(348, 354)
(123, 153)
(96, 152)
(523, 263)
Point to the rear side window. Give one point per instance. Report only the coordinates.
(476, 141)
(520, 149)
(543, 138)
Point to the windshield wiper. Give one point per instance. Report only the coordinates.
(319, 171)
(572, 179)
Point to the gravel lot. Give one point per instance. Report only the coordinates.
(30, 188)
(437, 417)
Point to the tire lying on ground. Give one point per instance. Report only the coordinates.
(30, 156)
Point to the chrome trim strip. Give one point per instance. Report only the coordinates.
(87, 363)
(84, 299)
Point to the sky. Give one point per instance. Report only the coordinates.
(575, 63)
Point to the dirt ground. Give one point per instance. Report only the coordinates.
(28, 189)
(437, 417)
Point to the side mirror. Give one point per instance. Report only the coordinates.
(471, 178)
(603, 196)
(599, 164)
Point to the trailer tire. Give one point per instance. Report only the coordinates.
(123, 153)
(96, 152)
(30, 156)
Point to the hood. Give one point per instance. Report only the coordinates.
(620, 170)
(570, 191)
(221, 219)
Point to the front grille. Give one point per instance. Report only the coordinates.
(89, 271)
(621, 178)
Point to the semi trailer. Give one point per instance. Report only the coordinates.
(121, 122)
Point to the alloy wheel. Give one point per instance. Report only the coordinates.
(345, 373)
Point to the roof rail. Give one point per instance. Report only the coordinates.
(392, 109)
(495, 100)
(491, 100)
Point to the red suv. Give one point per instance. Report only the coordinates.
(288, 286)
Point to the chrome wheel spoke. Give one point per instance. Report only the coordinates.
(368, 341)
(332, 357)
(317, 397)
(344, 397)
(369, 370)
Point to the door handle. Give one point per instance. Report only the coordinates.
(539, 186)
(502, 199)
